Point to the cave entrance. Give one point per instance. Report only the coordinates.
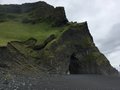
(73, 66)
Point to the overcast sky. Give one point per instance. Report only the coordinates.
(103, 20)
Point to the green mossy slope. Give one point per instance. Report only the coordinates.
(17, 31)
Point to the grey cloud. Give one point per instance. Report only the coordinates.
(112, 41)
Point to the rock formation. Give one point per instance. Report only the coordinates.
(75, 52)
(72, 51)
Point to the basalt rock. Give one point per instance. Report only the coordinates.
(75, 52)
(20, 56)
(72, 51)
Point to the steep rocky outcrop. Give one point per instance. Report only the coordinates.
(72, 51)
(75, 52)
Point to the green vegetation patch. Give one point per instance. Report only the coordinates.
(17, 31)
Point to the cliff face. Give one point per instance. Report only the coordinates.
(73, 51)
(34, 13)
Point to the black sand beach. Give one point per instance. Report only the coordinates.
(60, 82)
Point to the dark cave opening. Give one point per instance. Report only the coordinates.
(73, 66)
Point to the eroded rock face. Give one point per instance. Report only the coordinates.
(18, 57)
(75, 52)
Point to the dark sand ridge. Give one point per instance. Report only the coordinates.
(60, 82)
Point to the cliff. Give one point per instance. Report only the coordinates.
(74, 52)
(71, 51)
(34, 13)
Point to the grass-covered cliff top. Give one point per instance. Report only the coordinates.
(17, 31)
(38, 20)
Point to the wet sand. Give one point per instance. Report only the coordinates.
(61, 82)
